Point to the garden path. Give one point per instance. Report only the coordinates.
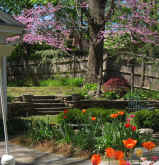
(28, 156)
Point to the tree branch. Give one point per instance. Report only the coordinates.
(111, 10)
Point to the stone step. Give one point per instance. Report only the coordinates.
(44, 97)
(47, 113)
(50, 109)
(46, 100)
(47, 105)
(155, 135)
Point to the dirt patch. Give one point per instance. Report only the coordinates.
(52, 146)
(22, 140)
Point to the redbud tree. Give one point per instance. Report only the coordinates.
(135, 31)
(138, 21)
(45, 24)
(43, 27)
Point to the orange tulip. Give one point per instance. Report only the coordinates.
(114, 115)
(109, 152)
(95, 159)
(148, 145)
(119, 155)
(93, 118)
(123, 162)
(83, 110)
(129, 143)
(121, 113)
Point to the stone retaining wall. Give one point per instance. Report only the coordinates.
(19, 109)
(25, 108)
(98, 103)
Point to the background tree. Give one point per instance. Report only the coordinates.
(15, 6)
(53, 22)
(91, 17)
(138, 22)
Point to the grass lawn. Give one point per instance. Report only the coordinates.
(63, 90)
(46, 118)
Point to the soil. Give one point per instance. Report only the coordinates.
(51, 146)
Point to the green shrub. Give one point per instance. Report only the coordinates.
(142, 94)
(110, 95)
(18, 83)
(15, 126)
(147, 119)
(72, 116)
(88, 87)
(130, 95)
(40, 130)
(10, 98)
(155, 95)
(29, 82)
(18, 125)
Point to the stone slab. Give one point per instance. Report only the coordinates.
(29, 156)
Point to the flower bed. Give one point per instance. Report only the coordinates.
(112, 133)
(117, 136)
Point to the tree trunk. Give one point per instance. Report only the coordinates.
(142, 73)
(96, 25)
(132, 78)
(74, 66)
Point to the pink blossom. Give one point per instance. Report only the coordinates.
(132, 116)
(143, 158)
(138, 24)
(128, 163)
(128, 119)
(154, 158)
(84, 5)
(41, 26)
(11, 39)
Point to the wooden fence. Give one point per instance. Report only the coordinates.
(77, 67)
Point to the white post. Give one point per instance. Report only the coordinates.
(6, 158)
(3, 96)
(4, 82)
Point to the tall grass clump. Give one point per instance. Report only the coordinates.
(62, 81)
(50, 83)
(74, 82)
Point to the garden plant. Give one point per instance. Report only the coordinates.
(113, 133)
(110, 134)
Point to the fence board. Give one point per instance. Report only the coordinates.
(67, 67)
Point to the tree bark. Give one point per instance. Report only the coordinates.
(132, 78)
(142, 73)
(96, 25)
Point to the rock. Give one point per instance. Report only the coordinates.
(91, 93)
(156, 163)
(7, 160)
(146, 162)
(146, 131)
